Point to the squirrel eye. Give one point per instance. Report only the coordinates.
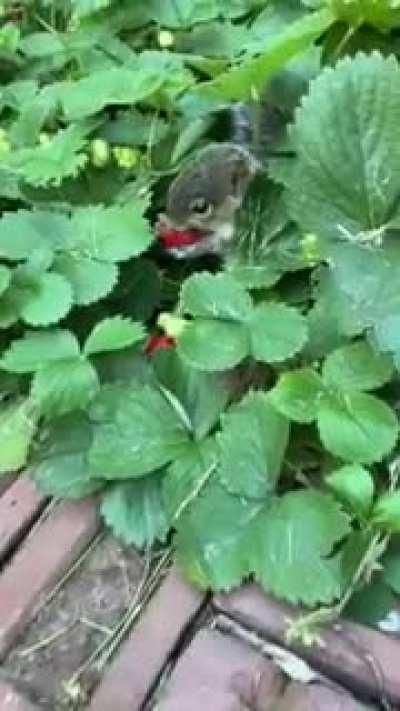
(201, 206)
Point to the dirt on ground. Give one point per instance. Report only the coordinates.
(72, 625)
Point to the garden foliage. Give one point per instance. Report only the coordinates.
(264, 438)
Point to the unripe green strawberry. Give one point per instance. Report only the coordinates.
(310, 249)
(44, 138)
(126, 157)
(172, 325)
(165, 39)
(99, 152)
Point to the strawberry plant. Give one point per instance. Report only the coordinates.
(247, 409)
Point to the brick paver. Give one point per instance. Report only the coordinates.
(142, 656)
(40, 562)
(19, 506)
(5, 481)
(358, 657)
(11, 700)
(220, 673)
(261, 690)
(318, 697)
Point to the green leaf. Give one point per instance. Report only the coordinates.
(64, 385)
(357, 427)
(291, 544)
(9, 186)
(60, 465)
(45, 298)
(81, 8)
(38, 348)
(9, 37)
(323, 327)
(51, 163)
(39, 261)
(277, 332)
(357, 366)
(139, 290)
(276, 17)
(145, 434)
(372, 604)
(219, 39)
(105, 406)
(367, 278)
(203, 395)
(213, 345)
(17, 93)
(112, 334)
(134, 511)
(118, 85)
(215, 296)
(354, 486)
(361, 285)
(386, 512)
(345, 136)
(264, 247)
(190, 136)
(41, 44)
(25, 130)
(213, 549)
(251, 75)
(221, 304)
(17, 427)
(387, 333)
(252, 444)
(353, 551)
(185, 13)
(91, 280)
(134, 128)
(22, 232)
(185, 478)
(384, 14)
(8, 309)
(5, 278)
(297, 395)
(124, 367)
(391, 571)
(112, 234)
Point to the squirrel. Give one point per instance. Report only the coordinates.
(204, 198)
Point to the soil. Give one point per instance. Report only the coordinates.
(72, 625)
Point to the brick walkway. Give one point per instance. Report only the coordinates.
(186, 651)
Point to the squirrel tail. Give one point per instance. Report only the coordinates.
(261, 127)
(270, 129)
(257, 129)
(241, 125)
(273, 114)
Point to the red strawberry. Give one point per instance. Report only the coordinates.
(157, 341)
(177, 238)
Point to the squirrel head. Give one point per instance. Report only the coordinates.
(206, 194)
